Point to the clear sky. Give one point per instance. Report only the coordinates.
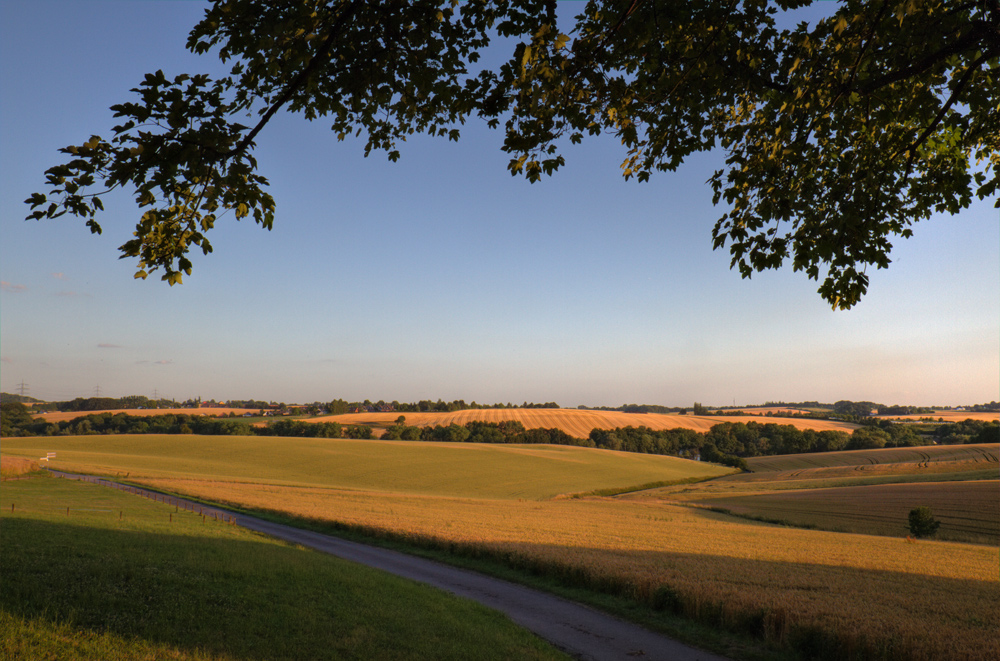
(440, 276)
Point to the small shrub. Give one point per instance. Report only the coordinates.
(923, 523)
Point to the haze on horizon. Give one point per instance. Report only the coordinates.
(440, 276)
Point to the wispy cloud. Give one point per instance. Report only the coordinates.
(59, 276)
(71, 294)
(109, 346)
(164, 362)
(7, 360)
(13, 289)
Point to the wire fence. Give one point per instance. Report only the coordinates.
(180, 504)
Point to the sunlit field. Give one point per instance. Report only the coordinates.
(443, 469)
(575, 422)
(827, 594)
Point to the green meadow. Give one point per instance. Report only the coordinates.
(529, 472)
(120, 577)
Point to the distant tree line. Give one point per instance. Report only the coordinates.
(340, 406)
(13, 397)
(968, 431)
(635, 408)
(984, 408)
(111, 403)
(728, 443)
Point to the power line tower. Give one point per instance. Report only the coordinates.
(22, 388)
(97, 391)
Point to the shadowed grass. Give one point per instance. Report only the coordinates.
(91, 585)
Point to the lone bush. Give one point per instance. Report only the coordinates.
(923, 523)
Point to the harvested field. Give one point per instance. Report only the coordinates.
(946, 456)
(575, 422)
(947, 416)
(967, 510)
(936, 463)
(60, 416)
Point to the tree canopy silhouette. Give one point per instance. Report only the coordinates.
(838, 134)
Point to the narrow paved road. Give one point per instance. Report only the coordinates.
(578, 630)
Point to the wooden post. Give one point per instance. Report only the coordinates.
(12, 508)
(171, 517)
(67, 511)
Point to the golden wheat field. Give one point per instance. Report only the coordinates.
(575, 422)
(15, 466)
(929, 600)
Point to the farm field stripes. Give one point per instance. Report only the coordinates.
(968, 511)
(933, 599)
(575, 422)
(975, 453)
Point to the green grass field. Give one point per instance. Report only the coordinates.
(119, 577)
(527, 472)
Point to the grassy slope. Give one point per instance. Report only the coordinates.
(462, 470)
(89, 585)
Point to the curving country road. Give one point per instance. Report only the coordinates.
(580, 631)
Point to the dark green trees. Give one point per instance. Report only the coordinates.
(923, 523)
(838, 134)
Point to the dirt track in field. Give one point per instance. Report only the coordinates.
(580, 631)
(575, 422)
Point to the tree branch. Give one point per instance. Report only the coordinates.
(912, 149)
(317, 59)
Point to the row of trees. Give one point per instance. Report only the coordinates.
(112, 403)
(339, 406)
(728, 443)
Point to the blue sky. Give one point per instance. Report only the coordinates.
(440, 275)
